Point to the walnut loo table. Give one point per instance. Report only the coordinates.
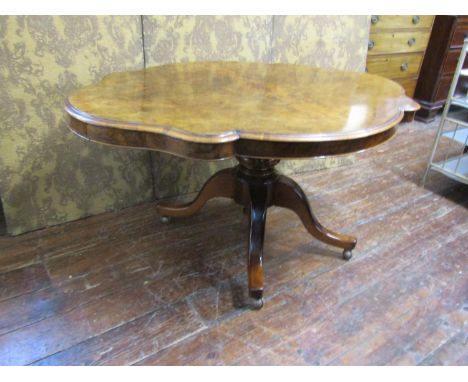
(259, 113)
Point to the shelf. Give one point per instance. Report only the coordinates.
(455, 111)
(460, 135)
(457, 121)
(457, 115)
(460, 101)
(455, 168)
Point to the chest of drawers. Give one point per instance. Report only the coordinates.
(396, 47)
(439, 64)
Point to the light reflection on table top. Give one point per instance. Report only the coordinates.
(220, 101)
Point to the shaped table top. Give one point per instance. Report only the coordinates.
(214, 103)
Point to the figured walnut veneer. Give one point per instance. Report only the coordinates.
(189, 109)
(259, 113)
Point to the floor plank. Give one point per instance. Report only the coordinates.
(23, 280)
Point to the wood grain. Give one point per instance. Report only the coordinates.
(170, 107)
(398, 42)
(396, 48)
(436, 70)
(451, 61)
(404, 22)
(390, 66)
(409, 84)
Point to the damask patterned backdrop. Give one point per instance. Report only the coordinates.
(49, 176)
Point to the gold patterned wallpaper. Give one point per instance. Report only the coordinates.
(326, 41)
(335, 42)
(49, 176)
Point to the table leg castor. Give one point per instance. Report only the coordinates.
(165, 219)
(256, 304)
(347, 254)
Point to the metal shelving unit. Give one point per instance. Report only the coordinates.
(455, 161)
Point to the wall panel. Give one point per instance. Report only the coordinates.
(48, 175)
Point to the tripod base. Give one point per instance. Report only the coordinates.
(256, 185)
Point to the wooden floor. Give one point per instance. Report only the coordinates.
(121, 288)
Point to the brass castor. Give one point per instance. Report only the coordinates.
(347, 254)
(256, 304)
(256, 299)
(165, 219)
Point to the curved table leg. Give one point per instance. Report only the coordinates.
(258, 210)
(288, 194)
(256, 186)
(221, 184)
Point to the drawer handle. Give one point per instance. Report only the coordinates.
(404, 67)
(370, 44)
(416, 20)
(411, 41)
(374, 19)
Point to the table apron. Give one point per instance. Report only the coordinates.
(224, 150)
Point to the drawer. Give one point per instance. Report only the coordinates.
(409, 84)
(395, 65)
(397, 42)
(451, 61)
(460, 33)
(396, 22)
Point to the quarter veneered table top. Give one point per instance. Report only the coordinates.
(216, 102)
